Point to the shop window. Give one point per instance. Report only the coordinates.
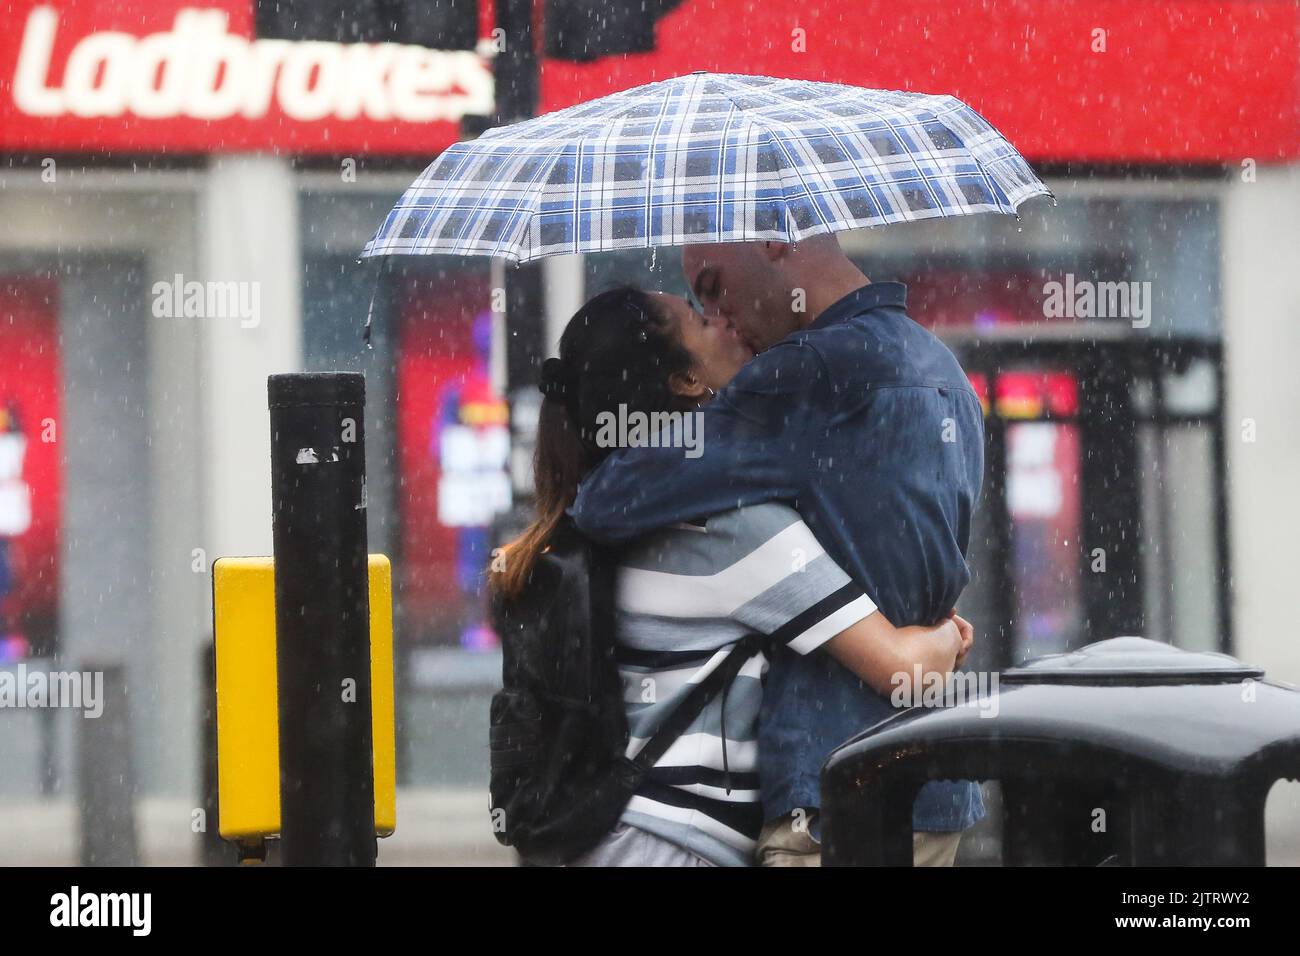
(30, 388)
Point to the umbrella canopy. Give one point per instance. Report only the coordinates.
(707, 158)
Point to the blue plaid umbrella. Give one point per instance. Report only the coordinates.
(707, 158)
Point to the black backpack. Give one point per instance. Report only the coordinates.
(559, 775)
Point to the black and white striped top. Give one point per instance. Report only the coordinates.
(686, 594)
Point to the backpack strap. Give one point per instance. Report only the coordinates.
(693, 705)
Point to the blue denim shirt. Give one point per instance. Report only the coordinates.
(866, 422)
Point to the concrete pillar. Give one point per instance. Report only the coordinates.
(564, 286)
(248, 234)
(1261, 324)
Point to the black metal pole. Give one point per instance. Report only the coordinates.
(1112, 516)
(1223, 546)
(515, 70)
(322, 615)
(517, 84)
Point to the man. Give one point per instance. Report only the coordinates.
(866, 422)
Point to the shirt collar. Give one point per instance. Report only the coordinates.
(874, 295)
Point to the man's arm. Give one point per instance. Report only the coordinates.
(754, 441)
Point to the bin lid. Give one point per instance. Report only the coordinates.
(1131, 660)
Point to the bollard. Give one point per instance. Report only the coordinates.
(327, 804)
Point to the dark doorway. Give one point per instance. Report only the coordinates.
(1103, 506)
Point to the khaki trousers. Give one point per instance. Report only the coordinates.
(781, 844)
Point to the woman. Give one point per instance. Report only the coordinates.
(687, 594)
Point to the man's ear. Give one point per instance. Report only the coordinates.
(686, 384)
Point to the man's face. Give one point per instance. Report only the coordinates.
(742, 282)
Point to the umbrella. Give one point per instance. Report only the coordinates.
(707, 158)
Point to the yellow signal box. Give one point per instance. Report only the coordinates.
(248, 726)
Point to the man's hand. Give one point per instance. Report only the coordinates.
(967, 632)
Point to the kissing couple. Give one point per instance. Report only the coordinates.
(770, 585)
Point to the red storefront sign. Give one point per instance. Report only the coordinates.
(1169, 81)
(1172, 81)
(152, 75)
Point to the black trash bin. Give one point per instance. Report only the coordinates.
(1124, 752)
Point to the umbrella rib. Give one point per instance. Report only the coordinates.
(794, 167)
(954, 106)
(540, 196)
(912, 159)
(787, 164)
(461, 157)
(650, 164)
(494, 194)
(722, 149)
(722, 167)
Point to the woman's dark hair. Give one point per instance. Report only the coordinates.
(621, 348)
